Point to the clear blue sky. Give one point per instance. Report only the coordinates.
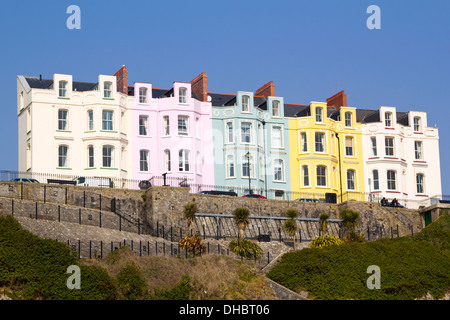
(310, 49)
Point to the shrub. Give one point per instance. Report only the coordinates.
(192, 244)
(180, 292)
(324, 241)
(245, 248)
(240, 217)
(131, 282)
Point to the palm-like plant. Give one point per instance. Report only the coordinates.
(190, 209)
(290, 225)
(240, 217)
(349, 219)
(323, 222)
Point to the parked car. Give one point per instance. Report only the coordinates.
(254, 195)
(307, 200)
(219, 193)
(94, 182)
(25, 180)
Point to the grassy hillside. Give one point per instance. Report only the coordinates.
(410, 267)
(35, 268)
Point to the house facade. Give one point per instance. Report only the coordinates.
(172, 134)
(326, 153)
(251, 143)
(401, 156)
(72, 128)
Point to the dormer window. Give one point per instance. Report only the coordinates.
(107, 89)
(182, 95)
(142, 95)
(62, 89)
(388, 119)
(417, 125)
(245, 100)
(276, 108)
(319, 117)
(348, 119)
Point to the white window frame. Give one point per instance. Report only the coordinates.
(107, 89)
(167, 161)
(325, 175)
(389, 180)
(421, 183)
(63, 157)
(110, 156)
(302, 176)
(273, 129)
(303, 142)
(418, 150)
(143, 124)
(182, 95)
(276, 108)
(184, 161)
(63, 123)
(388, 119)
(278, 166)
(183, 132)
(389, 147)
(353, 171)
(251, 168)
(245, 104)
(143, 95)
(90, 120)
(373, 146)
(106, 121)
(91, 157)
(166, 125)
(348, 122)
(144, 165)
(353, 153)
(250, 132)
(319, 115)
(323, 143)
(229, 134)
(417, 126)
(376, 179)
(62, 86)
(230, 164)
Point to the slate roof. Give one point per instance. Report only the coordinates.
(36, 83)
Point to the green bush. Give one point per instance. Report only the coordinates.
(245, 248)
(180, 292)
(410, 267)
(323, 241)
(36, 268)
(131, 282)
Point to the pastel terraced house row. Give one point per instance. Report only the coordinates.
(246, 142)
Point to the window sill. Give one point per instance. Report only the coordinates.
(64, 131)
(90, 168)
(110, 131)
(108, 98)
(63, 168)
(392, 191)
(109, 168)
(90, 131)
(63, 98)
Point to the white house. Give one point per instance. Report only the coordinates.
(401, 156)
(72, 128)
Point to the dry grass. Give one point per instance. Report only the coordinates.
(212, 276)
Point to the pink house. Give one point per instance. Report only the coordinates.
(171, 133)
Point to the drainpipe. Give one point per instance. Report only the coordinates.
(339, 161)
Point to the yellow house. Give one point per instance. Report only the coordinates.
(326, 160)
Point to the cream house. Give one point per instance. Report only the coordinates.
(401, 156)
(73, 128)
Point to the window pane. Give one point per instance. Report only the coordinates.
(389, 143)
(351, 180)
(305, 176)
(276, 108)
(376, 183)
(349, 146)
(319, 141)
(278, 170)
(230, 132)
(142, 95)
(374, 146)
(387, 119)
(182, 95)
(419, 183)
(230, 165)
(391, 180)
(418, 150)
(166, 126)
(107, 156)
(107, 90)
(91, 156)
(245, 100)
(276, 138)
(62, 119)
(245, 132)
(182, 125)
(167, 160)
(304, 142)
(318, 114)
(321, 176)
(144, 160)
(107, 122)
(348, 119)
(62, 156)
(62, 88)
(143, 121)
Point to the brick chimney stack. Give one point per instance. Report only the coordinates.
(122, 80)
(200, 87)
(267, 90)
(338, 100)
